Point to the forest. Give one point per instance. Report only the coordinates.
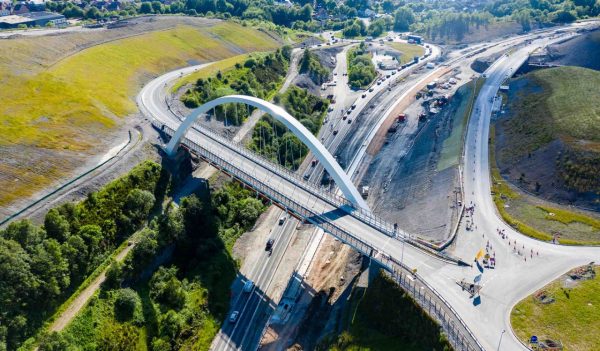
(172, 290)
(361, 71)
(310, 65)
(40, 266)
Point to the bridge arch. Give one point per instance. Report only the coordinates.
(340, 177)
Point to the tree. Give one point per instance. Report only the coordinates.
(138, 205)
(166, 289)
(388, 6)
(157, 7)
(114, 276)
(170, 325)
(403, 18)
(92, 13)
(55, 342)
(126, 303)
(144, 252)
(250, 209)
(146, 7)
(51, 268)
(195, 218)
(56, 225)
(25, 233)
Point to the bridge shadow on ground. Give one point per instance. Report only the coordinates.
(313, 315)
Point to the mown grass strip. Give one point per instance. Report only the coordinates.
(573, 318)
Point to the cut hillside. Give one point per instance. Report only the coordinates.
(549, 143)
(68, 94)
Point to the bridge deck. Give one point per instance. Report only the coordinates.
(363, 232)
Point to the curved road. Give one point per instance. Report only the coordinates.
(513, 279)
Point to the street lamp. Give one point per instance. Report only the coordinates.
(501, 334)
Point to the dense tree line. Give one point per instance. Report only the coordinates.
(258, 76)
(41, 266)
(184, 292)
(274, 140)
(257, 9)
(361, 71)
(310, 65)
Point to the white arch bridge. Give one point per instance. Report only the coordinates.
(348, 219)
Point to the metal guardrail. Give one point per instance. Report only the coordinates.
(329, 197)
(459, 335)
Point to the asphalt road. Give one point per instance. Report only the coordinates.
(513, 279)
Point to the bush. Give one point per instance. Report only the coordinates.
(127, 301)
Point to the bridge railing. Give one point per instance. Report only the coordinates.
(459, 335)
(330, 197)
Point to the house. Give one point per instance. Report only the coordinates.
(32, 19)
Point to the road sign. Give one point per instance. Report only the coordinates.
(533, 339)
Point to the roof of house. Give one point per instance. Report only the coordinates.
(14, 19)
(30, 16)
(41, 15)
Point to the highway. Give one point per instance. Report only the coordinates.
(513, 279)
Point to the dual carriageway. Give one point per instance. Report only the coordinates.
(362, 231)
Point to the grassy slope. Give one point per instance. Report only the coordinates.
(574, 318)
(66, 107)
(534, 220)
(556, 103)
(409, 51)
(209, 71)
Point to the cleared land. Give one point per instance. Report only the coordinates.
(546, 154)
(63, 101)
(409, 51)
(573, 318)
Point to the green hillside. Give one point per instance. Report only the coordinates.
(556, 103)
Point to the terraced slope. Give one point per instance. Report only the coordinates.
(64, 96)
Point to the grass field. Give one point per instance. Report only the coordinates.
(573, 319)
(409, 51)
(67, 107)
(209, 71)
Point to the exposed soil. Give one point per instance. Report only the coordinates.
(570, 52)
(482, 34)
(530, 161)
(404, 178)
